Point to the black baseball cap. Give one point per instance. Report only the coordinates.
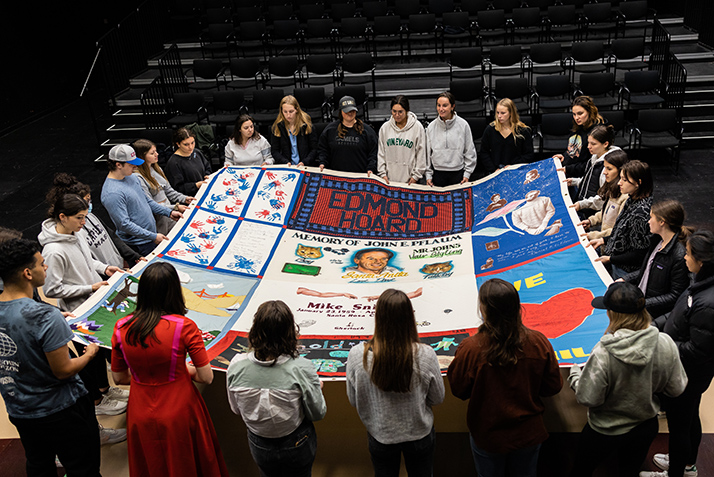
(622, 297)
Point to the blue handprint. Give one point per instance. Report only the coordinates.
(193, 248)
(277, 204)
(210, 205)
(289, 177)
(216, 220)
(264, 194)
(231, 192)
(219, 230)
(217, 197)
(202, 259)
(274, 216)
(243, 184)
(188, 238)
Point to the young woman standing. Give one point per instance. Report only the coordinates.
(393, 380)
(294, 140)
(156, 186)
(663, 275)
(278, 394)
(402, 145)
(600, 142)
(625, 248)
(450, 154)
(691, 326)
(585, 118)
(618, 383)
(246, 146)
(503, 370)
(613, 199)
(72, 274)
(170, 432)
(348, 144)
(507, 140)
(187, 169)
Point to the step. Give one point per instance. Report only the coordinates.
(698, 124)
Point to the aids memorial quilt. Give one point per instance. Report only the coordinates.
(328, 244)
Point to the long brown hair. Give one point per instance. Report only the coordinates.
(301, 117)
(671, 212)
(501, 311)
(392, 346)
(159, 294)
(611, 190)
(274, 332)
(237, 136)
(586, 102)
(143, 146)
(342, 130)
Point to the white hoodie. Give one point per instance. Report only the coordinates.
(402, 152)
(71, 270)
(450, 146)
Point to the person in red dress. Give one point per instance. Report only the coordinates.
(169, 430)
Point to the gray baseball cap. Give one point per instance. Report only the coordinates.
(347, 104)
(124, 153)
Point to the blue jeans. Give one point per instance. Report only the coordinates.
(289, 456)
(518, 463)
(618, 272)
(418, 456)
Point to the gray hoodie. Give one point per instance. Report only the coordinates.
(450, 146)
(71, 270)
(402, 152)
(622, 375)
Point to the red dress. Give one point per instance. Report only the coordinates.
(169, 430)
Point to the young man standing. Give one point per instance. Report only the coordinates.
(44, 397)
(130, 209)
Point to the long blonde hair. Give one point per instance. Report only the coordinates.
(142, 146)
(301, 118)
(514, 119)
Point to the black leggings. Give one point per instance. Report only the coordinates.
(630, 449)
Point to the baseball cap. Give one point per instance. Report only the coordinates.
(124, 153)
(347, 104)
(622, 297)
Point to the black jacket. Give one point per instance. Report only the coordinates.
(668, 276)
(691, 326)
(630, 237)
(306, 145)
(497, 151)
(353, 153)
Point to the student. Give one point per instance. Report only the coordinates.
(49, 406)
(663, 275)
(294, 139)
(187, 169)
(170, 432)
(103, 242)
(613, 199)
(246, 146)
(278, 394)
(585, 118)
(156, 186)
(691, 326)
(402, 145)
(450, 154)
(348, 144)
(507, 140)
(129, 208)
(624, 250)
(504, 370)
(618, 383)
(394, 380)
(73, 274)
(600, 144)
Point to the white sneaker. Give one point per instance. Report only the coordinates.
(661, 461)
(111, 436)
(648, 473)
(109, 407)
(117, 394)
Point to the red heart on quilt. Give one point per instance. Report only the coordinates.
(559, 314)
